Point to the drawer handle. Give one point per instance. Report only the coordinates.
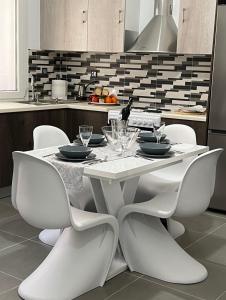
(184, 11)
(85, 15)
(120, 20)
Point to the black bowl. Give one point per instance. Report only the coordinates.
(95, 138)
(153, 148)
(71, 151)
(150, 137)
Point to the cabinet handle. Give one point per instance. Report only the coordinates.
(183, 19)
(120, 20)
(84, 19)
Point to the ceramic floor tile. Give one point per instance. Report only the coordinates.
(209, 289)
(7, 240)
(20, 260)
(222, 296)
(204, 223)
(10, 295)
(7, 282)
(5, 191)
(109, 288)
(6, 211)
(6, 200)
(211, 248)
(145, 290)
(216, 214)
(19, 227)
(189, 237)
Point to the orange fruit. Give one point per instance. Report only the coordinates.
(108, 99)
(114, 100)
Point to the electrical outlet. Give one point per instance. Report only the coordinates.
(93, 74)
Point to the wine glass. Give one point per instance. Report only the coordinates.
(85, 133)
(111, 136)
(159, 128)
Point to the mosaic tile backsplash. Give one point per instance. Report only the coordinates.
(156, 79)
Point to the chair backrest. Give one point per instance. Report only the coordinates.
(41, 197)
(179, 133)
(197, 186)
(48, 136)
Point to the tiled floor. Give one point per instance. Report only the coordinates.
(205, 239)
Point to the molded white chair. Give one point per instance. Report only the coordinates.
(47, 136)
(147, 246)
(168, 179)
(81, 257)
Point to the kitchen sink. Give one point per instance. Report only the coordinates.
(49, 102)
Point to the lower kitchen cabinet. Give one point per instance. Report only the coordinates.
(16, 131)
(16, 134)
(85, 117)
(199, 127)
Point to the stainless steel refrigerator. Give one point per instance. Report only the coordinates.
(217, 111)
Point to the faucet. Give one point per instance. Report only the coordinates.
(34, 94)
(82, 88)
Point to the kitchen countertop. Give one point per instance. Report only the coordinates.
(9, 107)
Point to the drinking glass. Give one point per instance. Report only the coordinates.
(85, 133)
(112, 137)
(159, 128)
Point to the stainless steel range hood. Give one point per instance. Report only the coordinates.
(160, 35)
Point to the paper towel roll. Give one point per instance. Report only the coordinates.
(59, 89)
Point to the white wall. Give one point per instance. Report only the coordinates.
(33, 24)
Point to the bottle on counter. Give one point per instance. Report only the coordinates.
(126, 110)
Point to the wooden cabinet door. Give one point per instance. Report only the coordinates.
(52, 24)
(196, 26)
(106, 23)
(64, 25)
(76, 25)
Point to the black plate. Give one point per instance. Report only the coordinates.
(167, 155)
(165, 141)
(96, 138)
(61, 157)
(150, 137)
(103, 144)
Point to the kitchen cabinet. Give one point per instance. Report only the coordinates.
(82, 25)
(78, 117)
(64, 25)
(106, 25)
(196, 26)
(16, 131)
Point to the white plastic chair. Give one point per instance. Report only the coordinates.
(48, 136)
(147, 246)
(168, 179)
(81, 258)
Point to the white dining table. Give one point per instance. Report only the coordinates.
(114, 182)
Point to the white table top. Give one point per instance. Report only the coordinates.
(124, 168)
(129, 167)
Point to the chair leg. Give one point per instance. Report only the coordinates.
(150, 249)
(49, 236)
(175, 228)
(77, 263)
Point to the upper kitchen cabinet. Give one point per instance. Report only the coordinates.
(106, 24)
(196, 26)
(64, 25)
(82, 25)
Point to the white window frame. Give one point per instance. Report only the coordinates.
(22, 54)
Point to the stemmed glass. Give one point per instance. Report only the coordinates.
(159, 128)
(85, 133)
